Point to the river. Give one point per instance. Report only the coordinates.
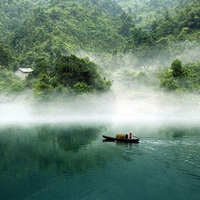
(71, 162)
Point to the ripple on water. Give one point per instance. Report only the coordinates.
(183, 156)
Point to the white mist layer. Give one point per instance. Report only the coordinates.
(140, 107)
(125, 105)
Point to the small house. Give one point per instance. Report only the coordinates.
(23, 72)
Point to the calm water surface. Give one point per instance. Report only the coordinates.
(72, 162)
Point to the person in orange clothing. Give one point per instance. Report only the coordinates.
(130, 135)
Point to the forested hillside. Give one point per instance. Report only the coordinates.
(47, 28)
(60, 26)
(169, 34)
(40, 33)
(145, 11)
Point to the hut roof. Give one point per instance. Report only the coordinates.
(26, 70)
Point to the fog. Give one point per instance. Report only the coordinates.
(187, 52)
(123, 107)
(127, 101)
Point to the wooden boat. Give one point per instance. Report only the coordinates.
(133, 140)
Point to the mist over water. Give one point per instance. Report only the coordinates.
(121, 107)
(127, 102)
(48, 148)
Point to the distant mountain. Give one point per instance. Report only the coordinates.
(48, 28)
(145, 11)
(37, 29)
(42, 34)
(178, 22)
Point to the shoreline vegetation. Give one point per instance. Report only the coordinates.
(84, 47)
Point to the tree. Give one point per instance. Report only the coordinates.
(5, 56)
(9, 83)
(176, 67)
(41, 66)
(127, 24)
(42, 87)
(71, 70)
(80, 88)
(167, 81)
(104, 85)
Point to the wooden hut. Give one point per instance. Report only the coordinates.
(23, 72)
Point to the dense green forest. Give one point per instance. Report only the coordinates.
(145, 11)
(50, 35)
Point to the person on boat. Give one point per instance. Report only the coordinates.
(130, 135)
(126, 136)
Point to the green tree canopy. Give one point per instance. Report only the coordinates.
(5, 56)
(176, 67)
(71, 70)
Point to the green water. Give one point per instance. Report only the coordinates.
(72, 162)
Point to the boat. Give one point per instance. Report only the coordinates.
(132, 140)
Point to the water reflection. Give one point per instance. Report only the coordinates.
(47, 145)
(75, 138)
(33, 158)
